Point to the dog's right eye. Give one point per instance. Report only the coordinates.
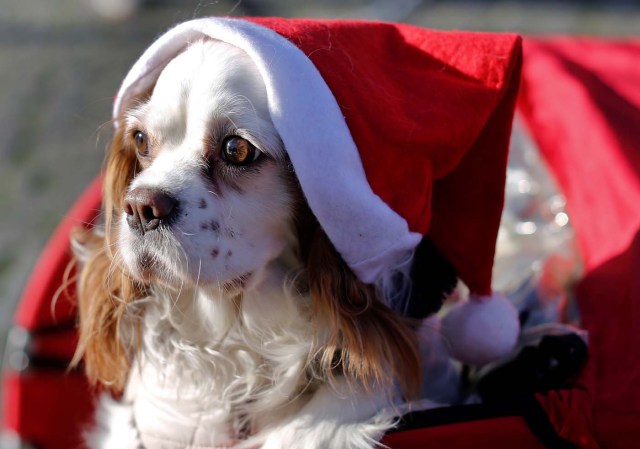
(239, 151)
(141, 143)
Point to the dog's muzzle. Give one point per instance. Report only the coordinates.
(148, 208)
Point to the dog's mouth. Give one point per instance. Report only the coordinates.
(152, 269)
(149, 267)
(237, 284)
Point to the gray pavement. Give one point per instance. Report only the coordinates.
(60, 65)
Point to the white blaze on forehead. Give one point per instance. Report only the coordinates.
(210, 86)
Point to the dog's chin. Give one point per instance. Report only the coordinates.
(145, 268)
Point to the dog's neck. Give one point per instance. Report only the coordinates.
(203, 315)
(247, 354)
(212, 339)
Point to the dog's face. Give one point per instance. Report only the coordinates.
(211, 202)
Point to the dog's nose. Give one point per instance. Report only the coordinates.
(146, 208)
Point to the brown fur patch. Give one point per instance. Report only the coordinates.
(367, 341)
(104, 289)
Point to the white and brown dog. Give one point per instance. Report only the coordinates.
(213, 297)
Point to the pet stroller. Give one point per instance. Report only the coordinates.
(580, 102)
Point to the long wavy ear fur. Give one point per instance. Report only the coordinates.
(104, 290)
(363, 338)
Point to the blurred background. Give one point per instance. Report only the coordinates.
(61, 62)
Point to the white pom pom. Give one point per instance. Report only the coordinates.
(481, 330)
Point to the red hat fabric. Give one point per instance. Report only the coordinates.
(394, 131)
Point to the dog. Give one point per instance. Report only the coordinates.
(212, 302)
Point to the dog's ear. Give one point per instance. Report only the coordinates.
(104, 289)
(364, 338)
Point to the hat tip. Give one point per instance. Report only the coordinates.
(481, 330)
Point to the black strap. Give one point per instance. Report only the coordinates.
(538, 421)
(21, 350)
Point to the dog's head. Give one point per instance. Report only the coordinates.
(199, 192)
(211, 199)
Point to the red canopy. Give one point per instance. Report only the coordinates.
(580, 99)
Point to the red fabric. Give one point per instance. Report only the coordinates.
(509, 432)
(570, 413)
(59, 345)
(610, 304)
(581, 101)
(47, 409)
(425, 107)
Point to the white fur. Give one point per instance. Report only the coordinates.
(224, 362)
(115, 426)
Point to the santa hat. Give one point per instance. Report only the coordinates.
(395, 132)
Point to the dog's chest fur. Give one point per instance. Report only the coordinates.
(208, 379)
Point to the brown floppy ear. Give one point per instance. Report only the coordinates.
(363, 337)
(104, 289)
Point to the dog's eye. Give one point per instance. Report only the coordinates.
(142, 144)
(239, 151)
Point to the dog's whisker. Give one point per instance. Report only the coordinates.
(195, 290)
(112, 268)
(188, 234)
(230, 120)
